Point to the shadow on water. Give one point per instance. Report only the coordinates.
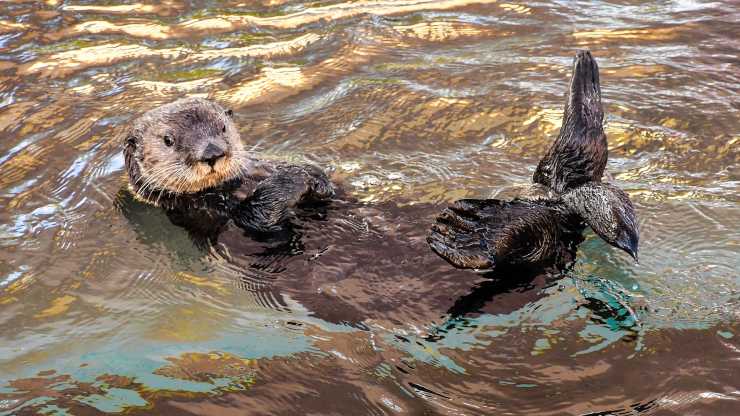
(322, 246)
(341, 263)
(336, 236)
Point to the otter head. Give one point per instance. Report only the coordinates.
(182, 147)
(608, 211)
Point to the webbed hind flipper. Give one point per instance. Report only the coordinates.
(481, 234)
(579, 153)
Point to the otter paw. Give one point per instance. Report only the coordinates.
(319, 186)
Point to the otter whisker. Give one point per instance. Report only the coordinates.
(168, 180)
(152, 178)
(158, 175)
(144, 188)
(154, 175)
(182, 180)
(240, 167)
(148, 182)
(235, 169)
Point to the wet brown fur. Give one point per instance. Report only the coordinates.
(579, 154)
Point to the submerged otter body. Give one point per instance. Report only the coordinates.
(546, 221)
(187, 157)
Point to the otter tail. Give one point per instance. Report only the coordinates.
(483, 234)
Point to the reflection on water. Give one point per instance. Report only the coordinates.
(109, 307)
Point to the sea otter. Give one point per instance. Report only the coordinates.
(187, 157)
(546, 221)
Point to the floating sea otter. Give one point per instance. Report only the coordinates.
(187, 157)
(545, 222)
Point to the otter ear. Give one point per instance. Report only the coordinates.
(230, 112)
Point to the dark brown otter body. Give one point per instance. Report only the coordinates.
(187, 157)
(482, 234)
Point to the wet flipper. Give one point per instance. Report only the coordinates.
(460, 249)
(482, 234)
(579, 153)
(608, 211)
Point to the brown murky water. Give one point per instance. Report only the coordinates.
(105, 306)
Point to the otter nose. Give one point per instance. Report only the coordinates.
(211, 154)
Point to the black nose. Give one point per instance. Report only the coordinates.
(211, 154)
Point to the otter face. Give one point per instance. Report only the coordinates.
(183, 147)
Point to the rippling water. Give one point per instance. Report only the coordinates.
(108, 307)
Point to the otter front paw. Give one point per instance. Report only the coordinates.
(319, 187)
(300, 183)
(275, 197)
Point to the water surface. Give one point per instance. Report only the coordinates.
(107, 307)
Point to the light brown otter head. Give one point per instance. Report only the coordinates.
(183, 147)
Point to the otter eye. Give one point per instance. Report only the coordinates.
(229, 112)
(168, 141)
